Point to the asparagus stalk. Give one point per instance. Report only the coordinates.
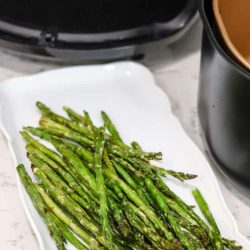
(128, 166)
(140, 214)
(208, 215)
(117, 190)
(73, 208)
(37, 201)
(99, 139)
(130, 152)
(62, 120)
(58, 169)
(194, 231)
(111, 127)
(43, 148)
(130, 181)
(120, 219)
(151, 169)
(157, 241)
(159, 199)
(74, 116)
(57, 126)
(67, 220)
(125, 175)
(66, 202)
(54, 156)
(57, 129)
(139, 202)
(89, 122)
(77, 164)
(231, 244)
(135, 145)
(169, 193)
(77, 171)
(84, 153)
(67, 234)
(59, 182)
(177, 175)
(58, 230)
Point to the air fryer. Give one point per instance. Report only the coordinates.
(90, 30)
(224, 103)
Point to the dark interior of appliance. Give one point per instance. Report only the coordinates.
(92, 16)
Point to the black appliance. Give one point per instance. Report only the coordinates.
(93, 30)
(224, 101)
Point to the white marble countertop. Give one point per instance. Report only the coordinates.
(176, 70)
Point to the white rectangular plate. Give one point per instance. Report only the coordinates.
(140, 110)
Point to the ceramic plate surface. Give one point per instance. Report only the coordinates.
(140, 110)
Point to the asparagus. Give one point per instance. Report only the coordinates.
(195, 231)
(58, 124)
(60, 119)
(158, 242)
(125, 175)
(179, 210)
(82, 152)
(151, 169)
(141, 245)
(57, 168)
(57, 129)
(130, 181)
(87, 204)
(49, 153)
(140, 238)
(128, 166)
(177, 175)
(111, 127)
(130, 152)
(75, 116)
(77, 164)
(159, 199)
(43, 149)
(135, 145)
(66, 202)
(168, 192)
(90, 241)
(139, 202)
(68, 235)
(58, 230)
(38, 204)
(78, 171)
(73, 208)
(231, 244)
(99, 138)
(207, 213)
(109, 165)
(119, 218)
(109, 193)
(89, 122)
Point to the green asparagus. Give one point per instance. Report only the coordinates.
(97, 192)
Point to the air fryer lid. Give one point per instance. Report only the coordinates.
(74, 23)
(79, 16)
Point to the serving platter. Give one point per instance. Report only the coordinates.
(141, 112)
